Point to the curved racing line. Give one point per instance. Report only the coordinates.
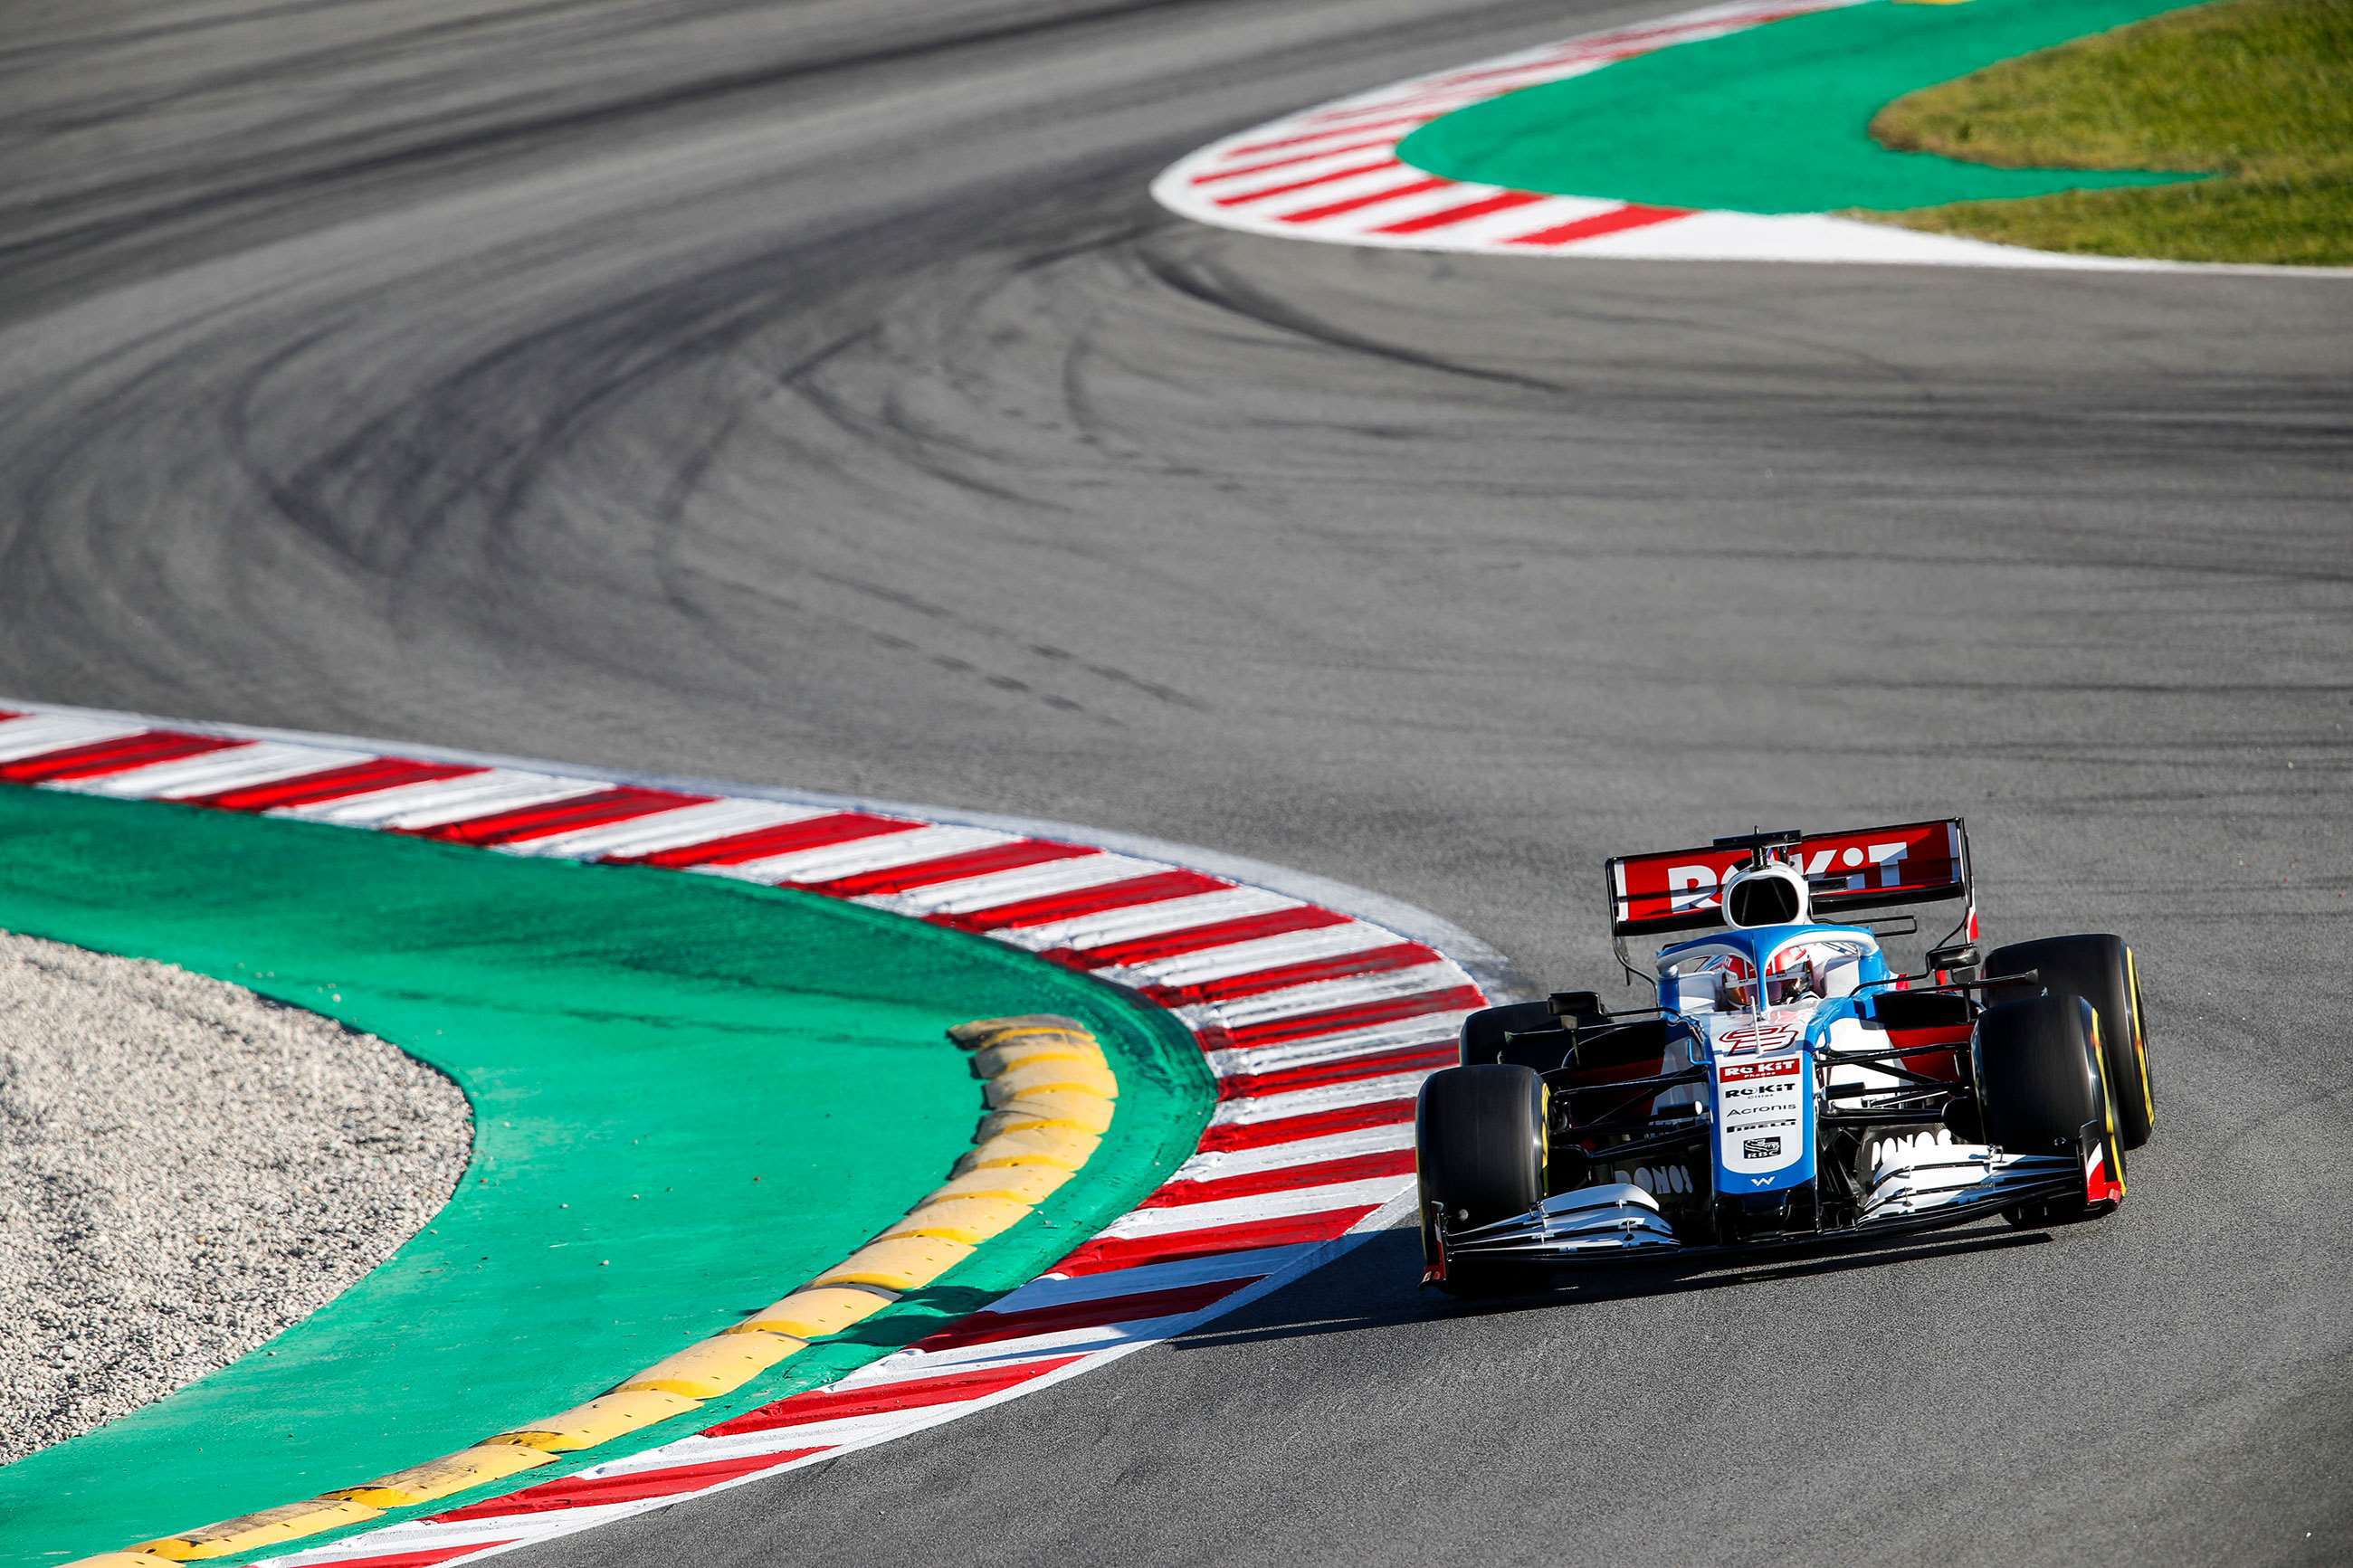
(1318, 1026)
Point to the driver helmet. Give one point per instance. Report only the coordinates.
(1735, 982)
(1794, 974)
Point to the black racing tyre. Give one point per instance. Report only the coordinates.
(2042, 1085)
(1483, 1035)
(2099, 969)
(1478, 1149)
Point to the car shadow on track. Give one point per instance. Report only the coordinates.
(1379, 1277)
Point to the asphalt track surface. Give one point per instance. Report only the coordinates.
(809, 394)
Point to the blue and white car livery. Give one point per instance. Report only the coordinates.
(1790, 1083)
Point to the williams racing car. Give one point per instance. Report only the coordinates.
(1789, 1085)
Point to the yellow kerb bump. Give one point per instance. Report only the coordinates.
(1031, 1185)
(1058, 1075)
(898, 1262)
(1070, 1108)
(720, 1365)
(983, 1032)
(816, 1311)
(1032, 1143)
(601, 1420)
(969, 1220)
(458, 1473)
(251, 1532)
(990, 1060)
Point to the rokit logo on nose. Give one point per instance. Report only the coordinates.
(1741, 1072)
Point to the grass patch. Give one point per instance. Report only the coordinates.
(2259, 92)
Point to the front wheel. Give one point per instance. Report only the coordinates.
(2044, 1089)
(1479, 1151)
(2100, 969)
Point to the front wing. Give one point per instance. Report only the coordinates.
(1617, 1220)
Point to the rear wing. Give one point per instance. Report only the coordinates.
(1874, 867)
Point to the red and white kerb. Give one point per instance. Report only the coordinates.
(1319, 1028)
(1332, 173)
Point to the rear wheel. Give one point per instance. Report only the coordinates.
(2099, 969)
(2043, 1089)
(1479, 1147)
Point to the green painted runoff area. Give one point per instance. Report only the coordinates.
(689, 1095)
(1775, 118)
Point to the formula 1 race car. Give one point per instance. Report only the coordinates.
(1789, 1085)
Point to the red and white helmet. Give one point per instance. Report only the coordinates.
(1792, 973)
(1735, 983)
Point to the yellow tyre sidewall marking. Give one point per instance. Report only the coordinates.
(1543, 1134)
(2116, 1150)
(2140, 1038)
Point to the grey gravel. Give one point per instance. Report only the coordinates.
(185, 1169)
